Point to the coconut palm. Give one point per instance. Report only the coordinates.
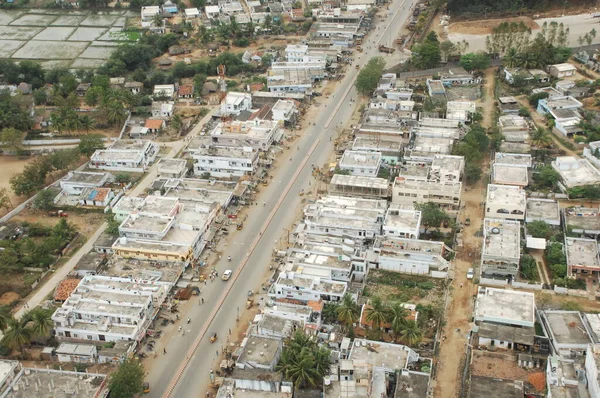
(157, 20)
(4, 317)
(176, 122)
(377, 313)
(540, 138)
(302, 371)
(397, 316)
(17, 333)
(511, 57)
(411, 333)
(347, 312)
(87, 123)
(303, 362)
(114, 111)
(41, 320)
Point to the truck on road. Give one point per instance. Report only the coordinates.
(385, 49)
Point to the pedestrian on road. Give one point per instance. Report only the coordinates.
(217, 352)
(202, 300)
(461, 284)
(230, 331)
(164, 351)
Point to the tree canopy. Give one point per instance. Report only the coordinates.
(432, 215)
(128, 380)
(303, 362)
(427, 54)
(369, 76)
(475, 61)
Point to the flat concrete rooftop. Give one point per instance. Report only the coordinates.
(513, 158)
(359, 181)
(46, 383)
(505, 306)
(582, 252)
(543, 209)
(380, 354)
(566, 327)
(582, 218)
(75, 177)
(505, 195)
(260, 350)
(360, 159)
(508, 174)
(502, 238)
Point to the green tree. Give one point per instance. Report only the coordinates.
(17, 334)
(377, 313)
(5, 202)
(40, 96)
(472, 173)
(4, 317)
(128, 380)
(397, 317)
(114, 112)
(94, 95)
(554, 254)
(41, 322)
(539, 229)
(475, 61)
(432, 215)
(12, 140)
(86, 123)
(303, 362)
(113, 224)
(369, 76)
(535, 98)
(88, 144)
(411, 333)
(546, 177)
(528, 267)
(348, 311)
(44, 200)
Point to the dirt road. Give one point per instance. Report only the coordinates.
(460, 308)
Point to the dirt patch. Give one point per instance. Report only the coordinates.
(9, 298)
(85, 223)
(11, 165)
(484, 27)
(498, 365)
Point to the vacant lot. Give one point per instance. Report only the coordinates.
(393, 286)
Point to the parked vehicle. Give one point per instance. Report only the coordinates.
(58, 213)
(470, 273)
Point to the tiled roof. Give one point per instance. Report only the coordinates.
(154, 124)
(65, 288)
(188, 89)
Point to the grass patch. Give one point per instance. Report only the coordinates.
(393, 286)
(125, 36)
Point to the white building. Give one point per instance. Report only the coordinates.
(285, 112)
(546, 210)
(582, 258)
(592, 369)
(125, 155)
(576, 172)
(76, 181)
(104, 308)
(306, 288)
(361, 163)
(402, 223)
(409, 192)
(561, 71)
(147, 13)
(172, 168)
(356, 219)
(501, 247)
(225, 162)
(257, 134)
(164, 90)
(409, 256)
(505, 201)
(505, 307)
(234, 103)
(460, 110)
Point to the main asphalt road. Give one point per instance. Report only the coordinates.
(184, 370)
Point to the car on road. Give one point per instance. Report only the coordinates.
(226, 275)
(470, 273)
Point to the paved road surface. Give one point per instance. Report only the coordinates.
(184, 372)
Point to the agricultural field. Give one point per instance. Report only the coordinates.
(75, 39)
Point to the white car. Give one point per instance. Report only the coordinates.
(226, 275)
(470, 273)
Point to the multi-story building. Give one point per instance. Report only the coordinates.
(501, 252)
(402, 223)
(505, 201)
(104, 308)
(582, 258)
(234, 103)
(361, 163)
(125, 155)
(306, 288)
(225, 162)
(257, 134)
(409, 256)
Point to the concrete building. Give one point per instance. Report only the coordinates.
(172, 168)
(352, 218)
(458, 76)
(505, 201)
(125, 155)
(96, 197)
(546, 210)
(390, 150)
(501, 251)
(582, 258)
(460, 110)
(285, 112)
(567, 331)
(546, 105)
(592, 369)
(592, 153)
(25, 382)
(164, 91)
(515, 159)
(576, 172)
(147, 13)
(447, 169)
(359, 186)
(409, 192)
(306, 288)
(76, 181)
(225, 162)
(106, 308)
(582, 220)
(78, 353)
(505, 307)
(259, 352)
(361, 163)
(257, 134)
(202, 191)
(561, 71)
(409, 256)
(402, 223)
(510, 174)
(235, 103)
(387, 356)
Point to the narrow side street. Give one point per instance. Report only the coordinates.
(460, 304)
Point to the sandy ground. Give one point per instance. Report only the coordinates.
(460, 302)
(475, 35)
(478, 28)
(11, 165)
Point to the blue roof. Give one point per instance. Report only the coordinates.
(171, 9)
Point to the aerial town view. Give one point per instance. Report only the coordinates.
(300, 198)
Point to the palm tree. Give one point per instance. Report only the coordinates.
(87, 123)
(4, 318)
(157, 20)
(41, 322)
(204, 34)
(302, 371)
(114, 112)
(411, 333)
(347, 312)
(176, 122)
(17, 334)
(398, 314)
(223, 33)
(377, 313)
(511, 57)
(540, 138)
(322, 359)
